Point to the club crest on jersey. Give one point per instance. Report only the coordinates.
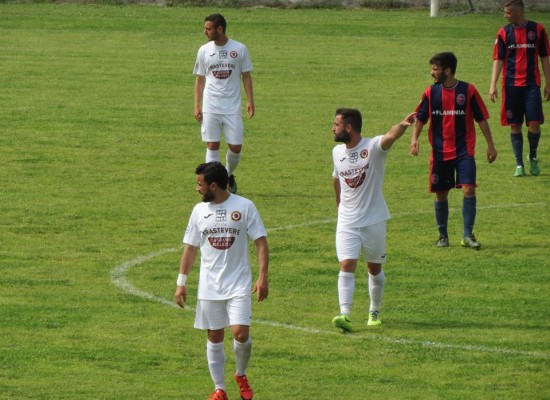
(221, 243)
(364, 153)
(460, 99)
(223, 54)
(531, 35)
(233, 54)
(353, 157)
(221, 215)
(236, 216)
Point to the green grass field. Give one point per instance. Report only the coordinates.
(97, 152)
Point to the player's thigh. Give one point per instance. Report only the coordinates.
(233, 128)
(348, 243)
(533, 105)
(442, 177)
(373, 238)
(239, 310)
(513, 105)
(211, 127)
(465, 171)
(211, 314)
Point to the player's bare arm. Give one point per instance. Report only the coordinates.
(491, 149)
(261, 287)
(199, 88)
(497, 69)
(545, 61)
(417, 129)
(396, 132)
(337, 190)
(186, 264)
(248, 89)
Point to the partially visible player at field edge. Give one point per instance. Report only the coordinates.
(452, 106)
(220, 66)
(359, 165)
(221, 226)
(517, 50)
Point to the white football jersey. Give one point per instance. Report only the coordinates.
(222, 67)
(361, 174)
(222, 232)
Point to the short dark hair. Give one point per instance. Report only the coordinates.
(515, 3)
(445, 60)
(218, 20)
(213, 171)
(351, 116)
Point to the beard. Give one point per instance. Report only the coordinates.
(342, 137)
(441, 79)
(208, 197)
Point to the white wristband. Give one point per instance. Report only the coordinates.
(182, 278)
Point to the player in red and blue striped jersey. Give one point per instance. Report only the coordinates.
(452, 107)
(517, 50)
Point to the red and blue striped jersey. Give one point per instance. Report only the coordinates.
(519, 47)
(452, 113)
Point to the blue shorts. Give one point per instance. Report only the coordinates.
(518, 102)
(446, 175)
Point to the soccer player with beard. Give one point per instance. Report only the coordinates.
(517, 50)
(220, 66)
(358, 175)
(221, 226)
(452, 106)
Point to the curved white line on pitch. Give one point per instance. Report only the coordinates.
(119, 279)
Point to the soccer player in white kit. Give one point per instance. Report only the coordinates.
(220, 66)
(358, 175)
(221, 226)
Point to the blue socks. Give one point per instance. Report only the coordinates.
(469, 214)
(442, 217)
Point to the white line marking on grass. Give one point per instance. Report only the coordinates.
(119, 279)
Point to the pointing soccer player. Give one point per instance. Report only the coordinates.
(452, 106)
(359, 164)
(221, 226)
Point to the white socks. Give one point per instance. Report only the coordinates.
(231, 161)
(242, 355)
(346, 288)
(212, 155)
(215, 354)
(376, 290)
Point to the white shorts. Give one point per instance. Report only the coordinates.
(231, 125)
(370, 240)
(219, 314)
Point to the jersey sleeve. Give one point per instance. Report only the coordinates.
(200, 68)
(246, 63)
(499, 50)
(423, 108)
(255, 225)
(478, 105)
(192, 234)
